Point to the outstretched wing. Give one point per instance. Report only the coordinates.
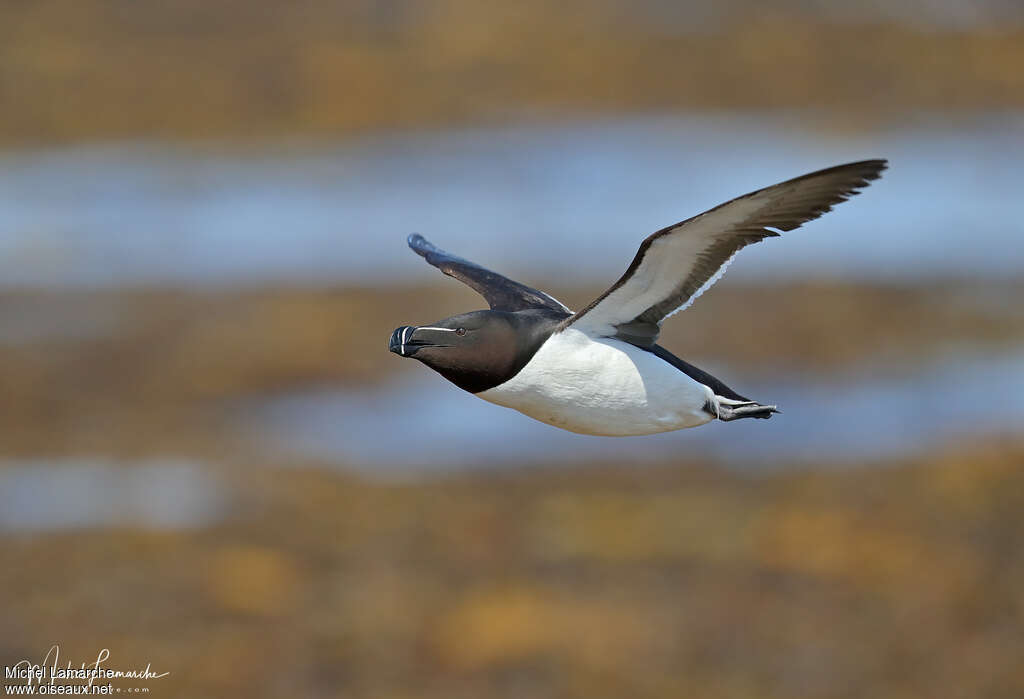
(677, 264)
(501, 293)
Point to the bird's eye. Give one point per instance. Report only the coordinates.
(460, 332)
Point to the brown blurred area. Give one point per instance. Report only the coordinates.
(894, 577)
(115, 69)
(164, 367)
(897, 581)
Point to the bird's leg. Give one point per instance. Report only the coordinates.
(737, 411)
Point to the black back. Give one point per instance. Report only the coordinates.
(696, 374)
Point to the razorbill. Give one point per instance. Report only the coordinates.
(599, 370)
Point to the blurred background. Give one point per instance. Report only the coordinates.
(209, 461)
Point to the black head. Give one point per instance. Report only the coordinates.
(477, 350)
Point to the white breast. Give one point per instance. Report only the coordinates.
(603, 386)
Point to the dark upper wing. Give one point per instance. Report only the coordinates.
(501, 293)
(676, 264)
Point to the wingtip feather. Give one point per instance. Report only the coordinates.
(420, 245)
(871, 169)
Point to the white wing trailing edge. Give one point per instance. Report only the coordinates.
(678, 263)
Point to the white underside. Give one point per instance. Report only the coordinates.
(602, 386)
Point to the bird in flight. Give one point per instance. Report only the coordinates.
(600, 370)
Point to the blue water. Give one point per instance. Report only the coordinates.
(45, 495)
(422, 422)
(521, 199)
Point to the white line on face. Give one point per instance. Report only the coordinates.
(405, 331)
(430, 327)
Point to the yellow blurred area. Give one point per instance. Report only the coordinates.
(252, 580)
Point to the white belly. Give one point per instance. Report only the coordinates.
(603, 386)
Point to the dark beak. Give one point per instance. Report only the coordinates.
(400, 341)
(408, 340)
